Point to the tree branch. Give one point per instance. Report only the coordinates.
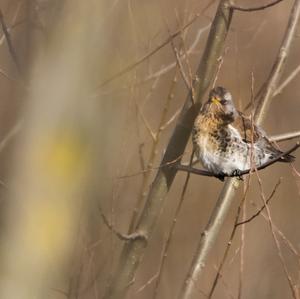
(121, 236)
(133, 250)
(151, 53)
(285, 136)
(256, 8)
(261, 209)
(11, 48)
(263, 166)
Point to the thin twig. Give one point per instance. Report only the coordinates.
(169, 67)
(148, 55)
(229, 243)
(279, 64)
(146, 123)
(171, 119)
(121, 236)
(289, 245)
(262, 208)
(171, 232)
(242, 252)
(279, 251)
(11, 134)
(153, 151)
(285, 136)
(280, 88)
(232, 236)
(11, 48)
(256, 8)
(186, 59)
(181, 68)
(284, 84)
(4, 74)
(221, 60)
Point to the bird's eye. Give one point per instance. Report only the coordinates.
(223, 102)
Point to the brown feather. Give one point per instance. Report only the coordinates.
(247, 129)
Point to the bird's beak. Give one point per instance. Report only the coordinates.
(216, 100)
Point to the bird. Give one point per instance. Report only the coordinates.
(226, 141)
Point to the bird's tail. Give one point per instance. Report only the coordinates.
(287, 158)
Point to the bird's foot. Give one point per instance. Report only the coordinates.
(237, 173)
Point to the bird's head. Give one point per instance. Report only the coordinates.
(221, 105)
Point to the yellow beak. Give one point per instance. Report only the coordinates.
(215, 100)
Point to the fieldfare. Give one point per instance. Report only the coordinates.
(226, 141)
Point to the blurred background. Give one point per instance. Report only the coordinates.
(71, 141)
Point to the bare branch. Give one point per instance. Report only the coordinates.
(121, 236)
(293, 74)
(250, 9)
(276, 241)
(133, 250)
(289, 245)
(285, 136)
(171, 232)
(153, 152)
(262, 208)
(147, 283)
(170, 66)
(11, 134)
(4, 74)
(280, 88)
(218, 275)
(172, 118)
(145, 122)
(151, 53)
(11, 48)
(181, 68)
(279, 64)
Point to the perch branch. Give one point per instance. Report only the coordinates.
(263, 166)
(226, 196)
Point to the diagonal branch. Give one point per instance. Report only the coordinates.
(256, 8)
(285, 136)
(133, 250)
(151, 53)
(11, 48)
(261, 209)
(121, 236)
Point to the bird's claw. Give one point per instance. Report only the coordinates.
(220, 176)
(237, 173)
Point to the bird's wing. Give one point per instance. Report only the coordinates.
(248, 131)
